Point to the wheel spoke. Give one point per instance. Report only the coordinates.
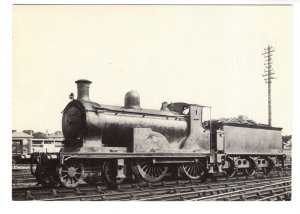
(146, 167)
(187, 168)
(190, 169)
(198, 171)
(156, 174)
(151, 171)
(148, 170)
(144, 164)
(193, 170)
(157, 171)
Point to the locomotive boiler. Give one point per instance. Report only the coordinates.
(115, 143)
(90, 127)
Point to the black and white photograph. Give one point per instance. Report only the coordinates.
(152, 102)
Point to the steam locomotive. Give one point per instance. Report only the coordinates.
(117, 143)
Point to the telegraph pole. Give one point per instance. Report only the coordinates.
(268, 76)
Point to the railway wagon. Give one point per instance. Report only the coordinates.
(36, 146)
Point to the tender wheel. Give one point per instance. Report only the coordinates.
(267, 170)
(150, 172)
(194, 171)
(251, 170)
(230, 169)
(110, 173)
(70, 174)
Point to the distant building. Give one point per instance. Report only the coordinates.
(58, 135)
(19, 140)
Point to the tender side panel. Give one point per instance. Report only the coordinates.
(242, 140)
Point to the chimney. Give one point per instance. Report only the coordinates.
(83, 90)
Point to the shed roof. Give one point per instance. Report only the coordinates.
(18, 135)
(53, 135)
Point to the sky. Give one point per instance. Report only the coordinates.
(208, 55)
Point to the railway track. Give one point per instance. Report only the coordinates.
(276, 190)
(240, 191)
(22, 177)
(167, 190)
